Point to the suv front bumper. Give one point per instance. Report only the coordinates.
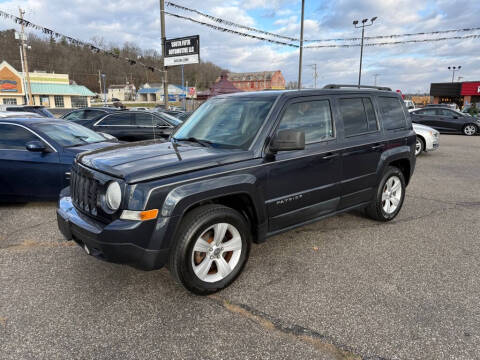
(111, 242)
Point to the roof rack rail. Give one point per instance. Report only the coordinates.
(338, 86)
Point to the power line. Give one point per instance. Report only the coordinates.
(476, 36)
(223, 29)
(230, 23)
(391, 36)
(74, 41)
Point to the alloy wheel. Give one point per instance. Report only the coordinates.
(391, 194)
(418, 147)
(469, 130)
(216, 252)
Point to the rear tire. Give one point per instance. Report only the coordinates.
(211, 249)
(470, 129)
(389, 196)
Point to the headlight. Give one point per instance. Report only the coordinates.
(113, 196)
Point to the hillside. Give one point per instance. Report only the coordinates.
(82, 65)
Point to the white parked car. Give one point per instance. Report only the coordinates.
(410, 105)
(427, 138)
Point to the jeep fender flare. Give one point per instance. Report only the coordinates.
(398, 153)
(180, 199)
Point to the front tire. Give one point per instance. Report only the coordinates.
(211, 249)
(389, 196)
(470, 129)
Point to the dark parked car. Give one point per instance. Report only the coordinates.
(184, 115)
(446, 120)
(134, 125)
(36, 156)
(89, 113)
(242, 168)
(40, 110)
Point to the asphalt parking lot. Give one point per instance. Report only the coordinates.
(343, 288)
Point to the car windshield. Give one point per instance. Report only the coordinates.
(226, 122)
(69, 134)
(171, 119)
(45, 112)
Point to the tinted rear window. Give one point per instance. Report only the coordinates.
(118, 119)
(358, 116)
(392, 113)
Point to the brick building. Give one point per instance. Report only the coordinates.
(257, 81)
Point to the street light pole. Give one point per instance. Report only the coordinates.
(364, 24)
(453, 69)
(375, 76)
(301, 49)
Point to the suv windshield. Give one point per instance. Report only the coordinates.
(69, 134)
(226, 122)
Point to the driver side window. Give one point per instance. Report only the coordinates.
(312, 117)
(15, 137)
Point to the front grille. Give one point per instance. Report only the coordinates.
(84, 191)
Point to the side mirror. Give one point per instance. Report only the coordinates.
(286, 140)
(36, 146)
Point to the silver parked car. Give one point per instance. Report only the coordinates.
(427, 138)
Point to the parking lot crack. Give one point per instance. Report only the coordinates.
(321, 342)
(28, 228)
(457, 203)
(35, 244)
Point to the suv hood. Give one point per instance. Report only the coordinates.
(152, 159)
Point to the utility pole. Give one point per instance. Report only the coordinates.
(301, 49)
(24, 82)
(104, 90)
(162, 28)
(315, 75)
(375, 76)
(22, 37)
(364, 24)
(99, 81)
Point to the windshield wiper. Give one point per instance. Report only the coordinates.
(204, 143)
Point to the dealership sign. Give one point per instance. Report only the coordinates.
(181, 51)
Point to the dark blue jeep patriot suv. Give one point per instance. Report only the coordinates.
(242, 168)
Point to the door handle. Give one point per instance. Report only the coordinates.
(329, 156)
(376, 147)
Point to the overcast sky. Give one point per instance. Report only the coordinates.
(409, 67)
